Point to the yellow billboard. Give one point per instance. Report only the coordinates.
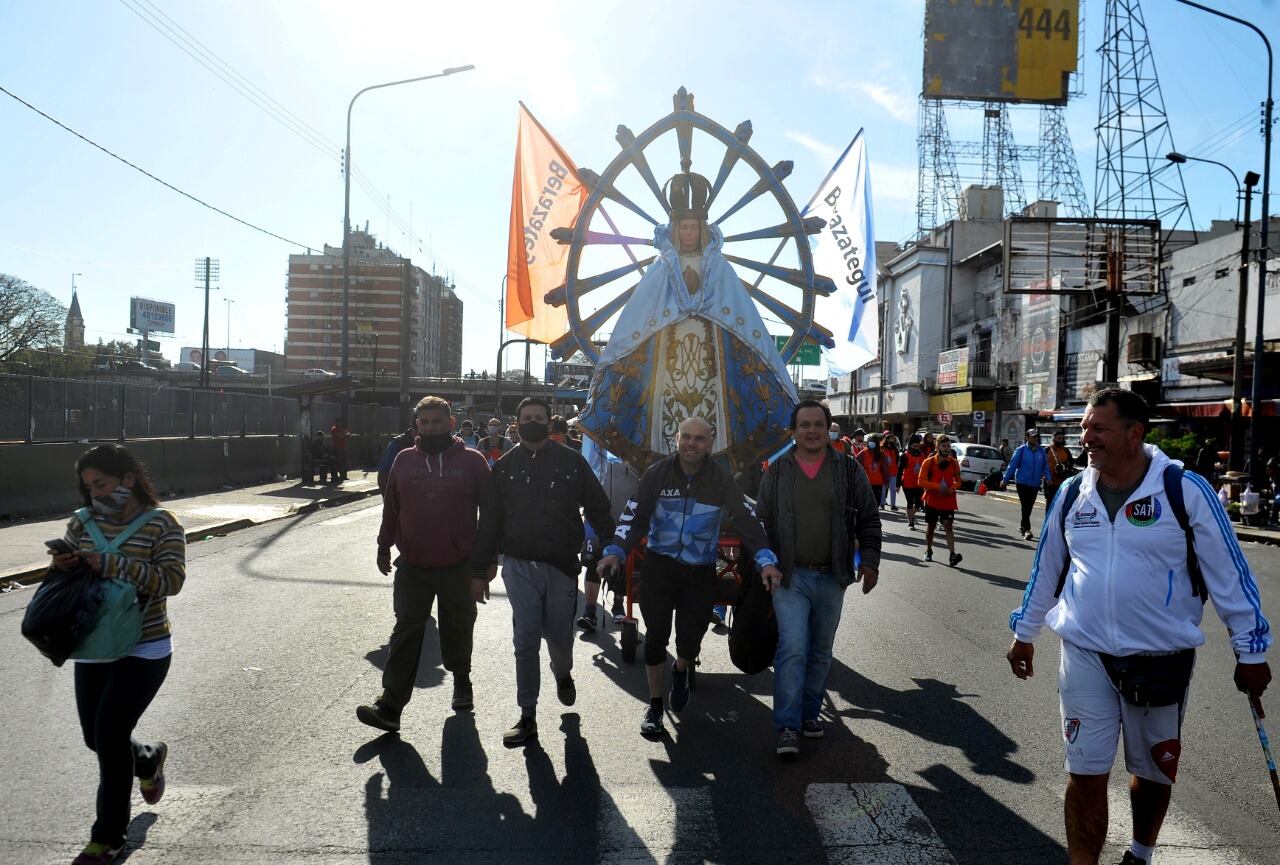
(1000, 50)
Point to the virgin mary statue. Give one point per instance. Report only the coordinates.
(689, 343)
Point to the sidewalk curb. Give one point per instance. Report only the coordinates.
(32, 576)
(1243, 533)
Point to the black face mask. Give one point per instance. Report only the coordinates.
(533, 432)
(434, 444)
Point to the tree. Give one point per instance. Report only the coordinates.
(29, 318)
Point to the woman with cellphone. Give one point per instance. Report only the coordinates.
(122, 534)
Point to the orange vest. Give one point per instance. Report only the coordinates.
(931, 477)
(911, 469)
(873, 462)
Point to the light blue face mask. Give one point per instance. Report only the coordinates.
(114, 502)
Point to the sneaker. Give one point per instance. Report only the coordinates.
(680, 688)
(619, 617)
(566, 691)
(379, 715)
(97, 854)
(912, 525)
(522, 731)
(1130, 859)
(788, 743)
(812, 729)
(928, 554)
(651, 723)
(587, 624)
(153, 788)
(463, 693)
(955, 559)
(718, 614)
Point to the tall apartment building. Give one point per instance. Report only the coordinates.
(441, 351)
(385, 314)
(451, 335)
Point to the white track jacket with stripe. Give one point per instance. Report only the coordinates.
(1128, 589)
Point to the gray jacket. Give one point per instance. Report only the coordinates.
(854, 525)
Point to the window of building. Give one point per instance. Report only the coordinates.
(1222, 272)
(1188, 280)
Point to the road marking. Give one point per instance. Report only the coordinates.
(639, 825)
(874, 824)
(1183, 841)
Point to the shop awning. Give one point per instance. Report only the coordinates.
(1213, 408)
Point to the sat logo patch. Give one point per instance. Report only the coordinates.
(1143, 512)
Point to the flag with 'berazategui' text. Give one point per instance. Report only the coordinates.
(545, 194)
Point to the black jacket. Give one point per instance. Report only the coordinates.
(537, 502)
(855, 521)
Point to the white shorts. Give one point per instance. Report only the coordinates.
(1094, 715)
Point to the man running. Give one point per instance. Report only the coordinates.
(940, 477)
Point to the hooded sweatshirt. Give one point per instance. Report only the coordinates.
(429, 509)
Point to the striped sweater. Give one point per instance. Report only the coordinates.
(154, 559)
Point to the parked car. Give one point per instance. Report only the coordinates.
(138, 366)
(976, 462)
(105, 366)
(316, 372)
(229, 369)
(186, 366)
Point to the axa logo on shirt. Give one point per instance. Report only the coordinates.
(1143, 512)
(1085, 517)
(671, 494)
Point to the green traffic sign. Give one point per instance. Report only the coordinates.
(808, 355)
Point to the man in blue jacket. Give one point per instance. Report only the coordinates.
(1028, 469)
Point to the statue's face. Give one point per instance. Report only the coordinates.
(689, 234)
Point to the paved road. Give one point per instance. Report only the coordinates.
(935, 754)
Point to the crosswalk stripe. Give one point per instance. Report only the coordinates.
(1183, 841)
(638, 826)
(874, 824)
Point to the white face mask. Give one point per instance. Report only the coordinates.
(114, 502)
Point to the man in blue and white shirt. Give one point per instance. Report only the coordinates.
(680, 505)
(1118, 578)
(1029, 470)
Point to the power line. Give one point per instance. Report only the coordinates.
(143, 171)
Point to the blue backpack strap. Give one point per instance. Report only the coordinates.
(1069, 492)
(85, 515)
(101, 544)
(1173, 492)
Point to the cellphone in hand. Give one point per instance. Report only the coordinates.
(60, 545)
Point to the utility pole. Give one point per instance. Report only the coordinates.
(207, 270)
(228, 301)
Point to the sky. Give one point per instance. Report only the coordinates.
(434, 160)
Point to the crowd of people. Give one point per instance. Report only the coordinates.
(460, 507)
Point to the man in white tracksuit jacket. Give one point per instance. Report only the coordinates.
(1127, 592)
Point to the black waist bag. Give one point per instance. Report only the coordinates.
(1151, 680)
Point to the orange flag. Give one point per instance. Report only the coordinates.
(546, 193)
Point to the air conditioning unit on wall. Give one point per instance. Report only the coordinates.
(1142, 348)
(926, 384)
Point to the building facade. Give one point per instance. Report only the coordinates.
(385, 311)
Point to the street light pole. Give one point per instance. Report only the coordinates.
(503, 345)
(1258, 344)
(1236, 461)
(228, 301)
(346, 208)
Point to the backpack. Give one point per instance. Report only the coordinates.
(1173, 492)
(118, 625)
(753, 637)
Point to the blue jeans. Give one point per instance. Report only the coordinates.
(808, 613)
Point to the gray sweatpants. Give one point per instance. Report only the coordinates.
(543, 600)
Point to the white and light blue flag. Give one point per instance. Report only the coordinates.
(845, 250)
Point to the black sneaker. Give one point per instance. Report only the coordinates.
(463, 695)
(522, 731)
(1130, 859)
(651, 723)
(928, 554)
(619, 616)
(379, 715)
(587, 624)
(566, 691)
(680, 688)
(955, 559)
(788, 743)
(152, 788)
(812, 729)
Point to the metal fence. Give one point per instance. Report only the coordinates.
(53, 409)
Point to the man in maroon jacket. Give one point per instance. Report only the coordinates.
(429, 511)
